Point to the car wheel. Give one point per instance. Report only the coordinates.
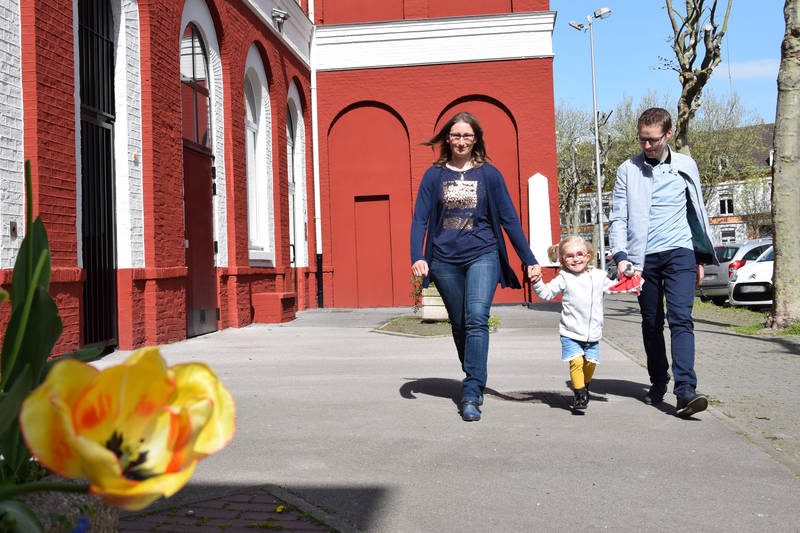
(719, 301)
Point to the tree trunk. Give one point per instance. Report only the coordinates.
(786, 177)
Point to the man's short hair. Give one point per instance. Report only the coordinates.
(655, 116)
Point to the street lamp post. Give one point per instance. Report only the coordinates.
(601, 13)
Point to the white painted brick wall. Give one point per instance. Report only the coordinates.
(12, 153)
(128, 141)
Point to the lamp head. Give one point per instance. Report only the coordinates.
(602, 13)
(577, 25)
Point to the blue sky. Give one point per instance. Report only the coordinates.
(628, 43)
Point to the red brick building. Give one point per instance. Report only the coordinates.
(203, 164)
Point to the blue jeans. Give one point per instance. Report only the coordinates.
(672, 274)
(467, 290)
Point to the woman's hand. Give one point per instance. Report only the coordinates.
(420, 268)
(534, 273)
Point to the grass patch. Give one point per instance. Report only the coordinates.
(751, 329)
(794, 329)
(413, 325)
(269, 523)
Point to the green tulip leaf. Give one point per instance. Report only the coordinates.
(33, 246)
(84, 354)
(10, 403)
(39, 329)
(17, 517)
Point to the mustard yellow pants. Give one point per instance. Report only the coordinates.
(581, 372)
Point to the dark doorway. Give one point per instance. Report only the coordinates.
(198, 187)
(96, 28)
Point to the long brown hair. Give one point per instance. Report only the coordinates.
(479, 156)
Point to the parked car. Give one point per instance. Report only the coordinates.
(752, 284)
(731, 257)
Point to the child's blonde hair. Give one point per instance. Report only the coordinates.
(571, 239)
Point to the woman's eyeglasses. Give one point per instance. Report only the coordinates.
(468, 137)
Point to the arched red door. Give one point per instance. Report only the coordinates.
(371, 208)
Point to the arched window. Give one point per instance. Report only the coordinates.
(257, 120)
(194, 88)
(296, 170)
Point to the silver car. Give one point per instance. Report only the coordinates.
(731, 257)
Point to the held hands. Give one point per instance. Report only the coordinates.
(622, 267)
(534, 273)
(420, 268)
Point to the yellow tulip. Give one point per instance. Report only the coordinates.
(135, 430)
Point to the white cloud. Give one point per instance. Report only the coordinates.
(757, 69)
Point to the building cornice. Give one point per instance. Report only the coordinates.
(295, 31)
(465, 39)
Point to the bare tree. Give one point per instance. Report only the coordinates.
(698, 24)
(786, 169)
(574, 165)
(727, 142)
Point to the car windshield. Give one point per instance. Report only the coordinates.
(769, 255)
(726, 253)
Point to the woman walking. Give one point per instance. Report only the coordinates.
(461, 206)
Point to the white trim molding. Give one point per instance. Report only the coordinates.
(434, 41)
(295, 30)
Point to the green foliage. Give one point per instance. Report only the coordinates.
(16, 517)
(416, 292)
(794, 329)
(494, 323)
(31, 334)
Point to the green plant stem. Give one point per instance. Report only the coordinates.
(9, 491)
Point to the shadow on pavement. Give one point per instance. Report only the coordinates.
(451, 389)
(438, 387)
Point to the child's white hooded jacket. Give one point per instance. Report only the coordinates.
(582, 302)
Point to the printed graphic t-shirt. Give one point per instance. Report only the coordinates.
(465, 232)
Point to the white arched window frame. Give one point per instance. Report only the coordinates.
(296, 170)
(197, 13)
(258, 150)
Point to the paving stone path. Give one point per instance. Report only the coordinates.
(750, 379)
(253, 510)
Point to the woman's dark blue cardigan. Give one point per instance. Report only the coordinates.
(428, 212)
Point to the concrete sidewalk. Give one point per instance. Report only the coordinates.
(361, 430)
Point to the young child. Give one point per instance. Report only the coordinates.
(581, 286)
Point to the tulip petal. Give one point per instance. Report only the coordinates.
(125, 395)
(45, 417)
(197, 382)
(142, 494)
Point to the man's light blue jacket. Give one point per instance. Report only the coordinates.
(629, 223)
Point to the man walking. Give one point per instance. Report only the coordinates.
(659, 224)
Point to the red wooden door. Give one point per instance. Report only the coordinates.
(373, 251)
(201, 289)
